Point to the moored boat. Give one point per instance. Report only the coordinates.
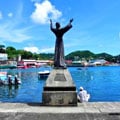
(43, 74)
(6, 79)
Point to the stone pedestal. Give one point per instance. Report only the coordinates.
(59, 89)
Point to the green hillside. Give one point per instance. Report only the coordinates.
(75, 55)
(80, 55)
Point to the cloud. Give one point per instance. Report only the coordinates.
(10, 14)
(9, 32)
(45, 11)
(47, 50)
(14, 29)
(35, 49)
(32, 49)
(1, 15)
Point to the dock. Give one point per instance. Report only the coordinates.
(83, 111)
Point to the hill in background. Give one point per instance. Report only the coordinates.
(75, 55)
(87, 55)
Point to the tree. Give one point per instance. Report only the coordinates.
(46, 56)
(36, 56)
(11, 51)
(25, 54)
(2, 49)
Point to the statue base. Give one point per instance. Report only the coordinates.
(59, 89)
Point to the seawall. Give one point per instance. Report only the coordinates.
(84, 111)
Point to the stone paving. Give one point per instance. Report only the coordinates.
(84, 111)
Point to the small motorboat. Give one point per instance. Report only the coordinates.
(43, 74)
(6, 79)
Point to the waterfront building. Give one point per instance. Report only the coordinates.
(30, 63)
(98, 62)
(3, 56)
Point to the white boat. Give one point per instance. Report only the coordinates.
(6, 79)
(43, 74)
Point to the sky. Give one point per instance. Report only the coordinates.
(24, 24)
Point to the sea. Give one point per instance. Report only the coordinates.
(101, 82)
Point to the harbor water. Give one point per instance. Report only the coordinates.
(102, 83)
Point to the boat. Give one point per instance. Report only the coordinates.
(6, 79)
(43, 74)
(44, 71)
(7, 66)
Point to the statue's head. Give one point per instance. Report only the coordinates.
(57, 25)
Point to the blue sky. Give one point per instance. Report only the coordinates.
(24, 24)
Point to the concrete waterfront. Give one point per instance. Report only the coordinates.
(84, 111)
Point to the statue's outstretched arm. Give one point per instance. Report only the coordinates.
(71, 20)
(51, 24)
(68, 26)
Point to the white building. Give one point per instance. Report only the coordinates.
(3, 56)
(97, 62)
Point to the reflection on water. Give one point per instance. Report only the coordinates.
(7, 92)
(101, 82)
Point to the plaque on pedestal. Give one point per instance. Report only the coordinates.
(59, 89)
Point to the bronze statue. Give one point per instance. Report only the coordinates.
(59, 61)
